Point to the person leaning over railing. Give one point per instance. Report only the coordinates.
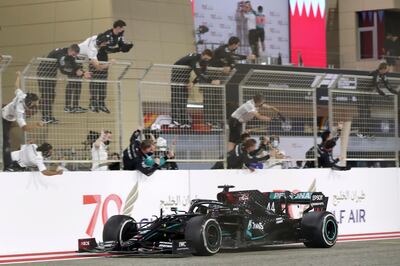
(23, 105)
(66, 63)
(243, 155)
(116, 43)
(180, 92)
(225, 56)
(100, 151)
(30, 155)
(245, 113)
(87, 49)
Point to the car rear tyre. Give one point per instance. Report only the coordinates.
(203, 235)
(319, 229)
(119, 228)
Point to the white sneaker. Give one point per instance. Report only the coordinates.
(174, 124)
(185, 126)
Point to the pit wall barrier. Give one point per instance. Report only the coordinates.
(44, 215)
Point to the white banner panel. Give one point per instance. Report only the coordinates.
(44, 214)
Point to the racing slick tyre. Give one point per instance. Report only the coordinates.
(203, 235)
(119, 228)
(320, 229)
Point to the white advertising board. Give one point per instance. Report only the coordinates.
(47, 214)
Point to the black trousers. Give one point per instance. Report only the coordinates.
(179, 95)
(235, 130)
(47, 96)
(253, 41)
(98, 90)
(73, 93)
(6, 143)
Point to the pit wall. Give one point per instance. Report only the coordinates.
(42, 214)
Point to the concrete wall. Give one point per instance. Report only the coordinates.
(161, 30)
(348, 30)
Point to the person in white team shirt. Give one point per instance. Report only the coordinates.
(243, 114)
(100, 151)
(32, 156)
(21, 106)
(88, 49)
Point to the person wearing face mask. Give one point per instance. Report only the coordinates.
(30, 155)
(180, 79)
(116, 43)
(100, 151)
(22, 105)
(145, 161)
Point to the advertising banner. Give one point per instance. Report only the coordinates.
(49, 214)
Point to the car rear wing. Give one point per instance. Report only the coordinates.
(316, 200)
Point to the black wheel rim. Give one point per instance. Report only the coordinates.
(330, 230)
(128, 231)
(213, 237)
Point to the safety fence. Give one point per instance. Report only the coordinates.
(291, 100)
(372, 118)
(5, 60)
(75, 110)
(191, 118)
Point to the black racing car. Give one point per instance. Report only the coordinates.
(237, 219)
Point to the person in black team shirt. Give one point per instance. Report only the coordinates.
(379, 78)
(66, 63)
(226, 56)
(243, 155)
(326, 160)
(116, 43)
(180, 93)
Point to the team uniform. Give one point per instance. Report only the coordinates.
(180, 93)
(99, 156)
(14, 111)
(243, 114)
(67, 66)
(27, 157)
(223, 57)
(238, 158)
(98, 90)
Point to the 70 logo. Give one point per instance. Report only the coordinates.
(103, 205)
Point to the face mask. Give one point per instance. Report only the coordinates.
(203, 63)
(107, 142)
(275, 144)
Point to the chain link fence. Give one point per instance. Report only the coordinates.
(295, 125)
(374, 118)
(75, 110)
(5, 60)
(190, 118)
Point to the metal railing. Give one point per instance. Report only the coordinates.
(374, 118)
(5, 60)
(82, 108)
(294, 95)
(193, 117)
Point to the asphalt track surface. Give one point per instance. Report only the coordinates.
(380, 252)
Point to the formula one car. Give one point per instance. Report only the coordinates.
(237, 219)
